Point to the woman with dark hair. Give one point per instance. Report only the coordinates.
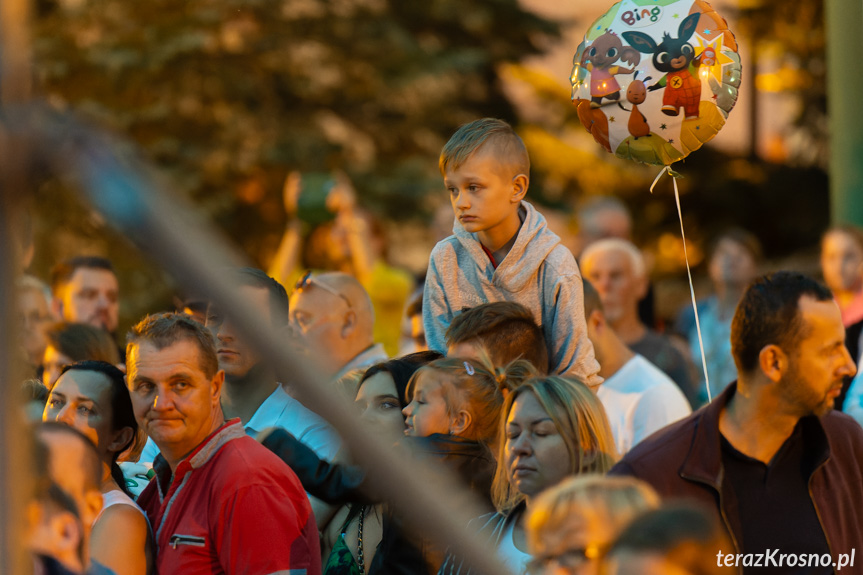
(362, 538)
(68, 343)
(91, 396)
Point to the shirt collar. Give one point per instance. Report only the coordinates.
(367, 358)
(270, 410)
(230, 430)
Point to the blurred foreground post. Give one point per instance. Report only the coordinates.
(843, 20)
(15, 81)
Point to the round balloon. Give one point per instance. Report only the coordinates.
(653, 80)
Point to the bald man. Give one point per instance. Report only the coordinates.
(334, 315)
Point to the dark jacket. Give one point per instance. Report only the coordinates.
(684, 460)
(331, 482)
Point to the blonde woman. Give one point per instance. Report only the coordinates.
(572, 525)
(551, 428)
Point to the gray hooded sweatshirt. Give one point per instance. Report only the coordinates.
(538, 273)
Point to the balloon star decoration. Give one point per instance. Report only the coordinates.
(652, 81)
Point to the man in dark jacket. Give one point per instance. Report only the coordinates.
(782, 469)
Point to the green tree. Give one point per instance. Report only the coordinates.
(226, 96)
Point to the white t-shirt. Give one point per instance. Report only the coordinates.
(511, 555)
(117, 497)
(640, 399)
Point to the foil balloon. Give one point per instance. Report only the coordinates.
(654, 80)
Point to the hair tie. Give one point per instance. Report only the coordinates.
(469, 368)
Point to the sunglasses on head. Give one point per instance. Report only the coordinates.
(308, 281)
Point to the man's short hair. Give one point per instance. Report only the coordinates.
(63, 272)
(278, 296)
(592, 301)
(665, 529)
(508, 148)
(636, 260)
(165, 329)
(80, 342)
(506, 329)
(769, 313)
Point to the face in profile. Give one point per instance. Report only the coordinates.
(820, 361)
(236, 356)
(379, 405)
(841, 262)
(536, 456)
(92, 296)
(426, 413)
(319, 318)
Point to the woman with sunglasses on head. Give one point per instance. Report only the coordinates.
(91, 396)
(551, 428)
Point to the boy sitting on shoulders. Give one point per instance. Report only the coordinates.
(502, 250)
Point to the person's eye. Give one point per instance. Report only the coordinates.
(144, 387)
(390, 405)
(181, 384)
(453, 191)
(473, 188)
(55, 403)
(83, 409)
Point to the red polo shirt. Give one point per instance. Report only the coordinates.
(231, 507)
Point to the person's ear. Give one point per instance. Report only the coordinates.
(460, 423)
(519, 188)
(57, 308)
(216, 384)
(350, 323)
(67, 533)
(596, 320)
(773, 362)
(122, 440)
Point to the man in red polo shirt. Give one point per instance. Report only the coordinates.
(220, 502)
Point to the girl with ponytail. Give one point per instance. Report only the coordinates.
(454, 412)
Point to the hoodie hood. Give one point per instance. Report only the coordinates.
(520, 266)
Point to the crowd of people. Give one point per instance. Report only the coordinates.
(591, 439)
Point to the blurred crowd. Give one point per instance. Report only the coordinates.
(596, 439)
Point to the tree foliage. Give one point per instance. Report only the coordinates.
(227, 95)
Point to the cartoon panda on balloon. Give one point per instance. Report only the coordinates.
(686, 43)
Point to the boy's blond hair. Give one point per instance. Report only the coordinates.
(499, 136)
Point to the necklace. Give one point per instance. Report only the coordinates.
(360, 559)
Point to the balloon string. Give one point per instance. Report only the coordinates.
(665, 170)
(691, 287)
